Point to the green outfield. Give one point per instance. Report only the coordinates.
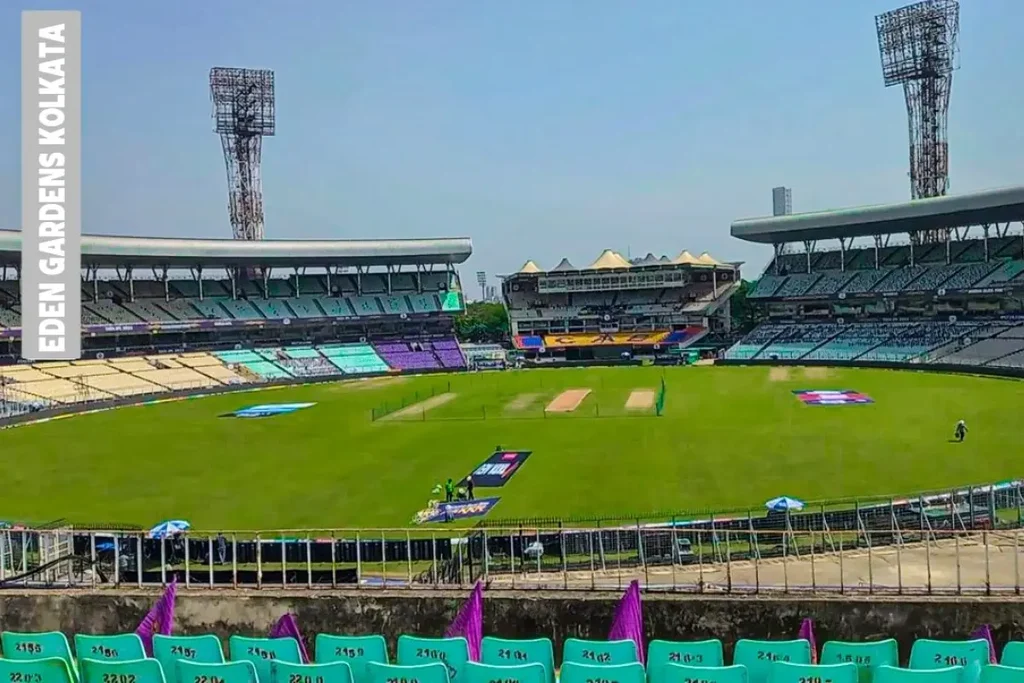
(729, 437)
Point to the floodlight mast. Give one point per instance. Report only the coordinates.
(919, 50)
(243, 113)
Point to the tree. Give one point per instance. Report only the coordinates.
(482, 322)
(745, 313)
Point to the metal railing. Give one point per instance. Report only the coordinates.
(926, 561)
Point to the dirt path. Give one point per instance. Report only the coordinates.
(521, 402)
(815, 373)
(567, 401)
(640, 399)
(778, 374)
(418, 409)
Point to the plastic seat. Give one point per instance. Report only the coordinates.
(335, 672)
(867, 656)
(435, 672)
(599, 651)
(23, 646)
(357, 651)
(122, 671)
(784, 672)
(679, 673)
(892, 674)
(939, 654)
(475, 672)
(1001, 673)
(702, 653)
(228, 672)
(504, 652)
(1013, 654)
(452, 652)
(37, 670)
(121, 647)
(758, 655)
(575, 672)
(260, 651)
(169, 649)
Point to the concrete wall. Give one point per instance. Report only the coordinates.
(555, 615)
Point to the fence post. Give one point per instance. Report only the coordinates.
(309, 562)
(814, 576)
(92, 556)
(359, 563)
(138, 559)
(842, 581)
(209, 555)
(928, 561)
(956, 536)
(433, 555)
(259, 562)
(728, 563)
(163, 560)
(117, 557)
(384, 560)
(590, 546)
(334, 560)
(1016, 561)
(988, 574)
(234, 560)
(284, 563)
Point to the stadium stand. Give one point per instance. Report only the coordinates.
(946, 296)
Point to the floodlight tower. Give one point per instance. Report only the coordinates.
(918, 46)
(243, 113)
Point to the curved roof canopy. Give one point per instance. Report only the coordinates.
(937, 213)
(530, 267)
(109, 251)
(609, 259)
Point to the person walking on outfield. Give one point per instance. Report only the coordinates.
(449, 490)
(960, 432)
(469, 486)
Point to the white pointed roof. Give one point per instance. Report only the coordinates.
(530, 267)
(609, 259)
(685, 257)
(564, 264)
(708, 259)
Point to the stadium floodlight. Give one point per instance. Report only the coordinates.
(918, 47)
(243, 113)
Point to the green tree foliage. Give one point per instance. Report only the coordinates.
(482, 322)
(746, 314)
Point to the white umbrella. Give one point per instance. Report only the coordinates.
(784, 504)
(169, 528)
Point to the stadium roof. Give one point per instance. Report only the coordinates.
(107, 251)
(954, 211)
(613, 260)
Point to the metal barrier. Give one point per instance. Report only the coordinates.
(927, 561)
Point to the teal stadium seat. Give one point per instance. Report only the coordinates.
(228, 672)
(122, 671)
(867, 656)
(701, 653)
(503, 652)
(475, 672)
(939, 654)
(1013, 654)
(335, 672)
(39, 670)
(23, 646)
(575, 672)
(169, 649)
(260, 651)
(435, 672)
(758, 655)
(679, 673)
(120, 647)
(892, 674)
(356, 651)
(452, 652)
(1000, 673)
(784, 672)
(599, 651)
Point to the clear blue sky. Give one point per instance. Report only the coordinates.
(540, 128)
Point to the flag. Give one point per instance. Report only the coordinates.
(807, 633)
(984, 632)
(160, 618)
(287, 627)
(659, 403)
(469, 622)
(628, 623)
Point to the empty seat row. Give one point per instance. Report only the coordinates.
(364, 659)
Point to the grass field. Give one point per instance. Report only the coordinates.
(729, 437)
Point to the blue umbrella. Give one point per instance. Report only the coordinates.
(784, 504)
(169, 528)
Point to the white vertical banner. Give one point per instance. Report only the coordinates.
(51, 185)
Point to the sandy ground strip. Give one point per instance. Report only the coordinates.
(364, 384)
(815, 373)
(418, 409)
(640, 399)
(521, 402)
(567, 401)
(778, 374)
